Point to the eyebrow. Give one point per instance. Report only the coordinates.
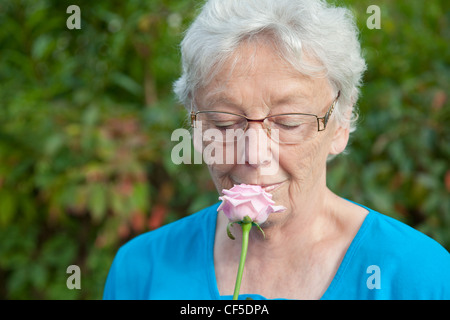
(289, 99)
(223, 98)
(219, 97)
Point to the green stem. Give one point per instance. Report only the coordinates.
(246, 227)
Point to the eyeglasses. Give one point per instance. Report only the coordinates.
(292, 128)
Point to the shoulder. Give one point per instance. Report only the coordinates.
(412, 265)
(398, 236)
(390, 260)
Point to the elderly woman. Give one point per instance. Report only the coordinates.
(292, 68)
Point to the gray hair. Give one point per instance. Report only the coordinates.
(315, 28)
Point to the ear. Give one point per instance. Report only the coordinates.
(341, 133)
(340, 140)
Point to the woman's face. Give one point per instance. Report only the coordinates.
(261, 84)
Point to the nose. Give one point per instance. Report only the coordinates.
(258, 145)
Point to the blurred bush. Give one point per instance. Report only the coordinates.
(86, 118)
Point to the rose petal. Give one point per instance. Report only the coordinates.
(248, 200)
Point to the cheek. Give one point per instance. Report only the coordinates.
(220, 174)
(301, 161)
(215, 157)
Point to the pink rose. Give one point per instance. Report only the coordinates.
(248, 200)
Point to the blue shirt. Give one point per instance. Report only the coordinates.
(386, 260)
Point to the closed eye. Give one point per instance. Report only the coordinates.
(223, 124)
(287, 126)
(287, 123)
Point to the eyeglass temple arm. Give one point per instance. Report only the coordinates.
(193, 118)
(327, 116)
(193, 115)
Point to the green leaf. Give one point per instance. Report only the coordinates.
(53, 144)
(127, 83)
(41, 47)
(7, 207)
(97, 201)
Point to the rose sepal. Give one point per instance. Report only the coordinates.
(246, 219)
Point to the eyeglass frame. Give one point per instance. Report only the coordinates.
(323, 119)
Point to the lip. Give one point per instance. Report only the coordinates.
(270, 187)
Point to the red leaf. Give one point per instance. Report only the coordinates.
(157, 216)
(447, 180)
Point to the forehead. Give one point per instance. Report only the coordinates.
(258, 73)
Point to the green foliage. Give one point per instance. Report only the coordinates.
(85, 128)
(87, 115)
